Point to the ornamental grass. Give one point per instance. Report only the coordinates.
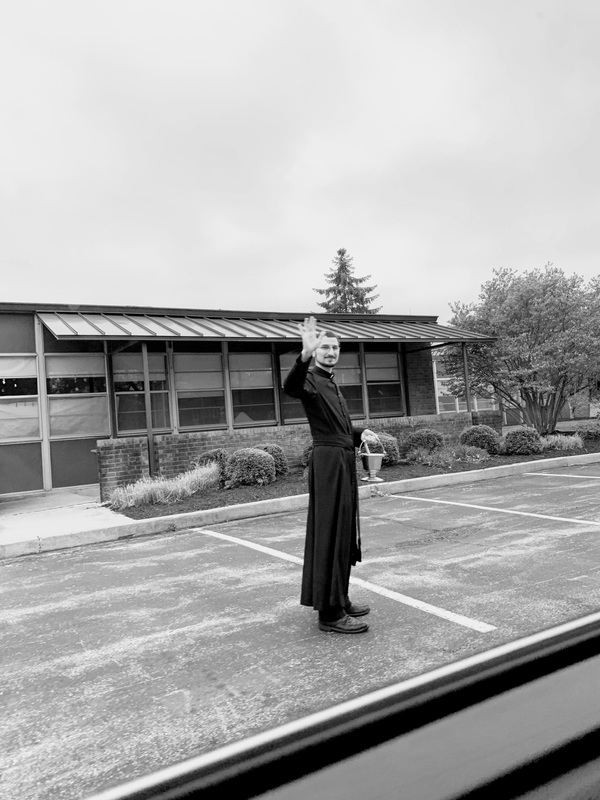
(165, 490)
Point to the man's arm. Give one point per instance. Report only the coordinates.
(296, 384)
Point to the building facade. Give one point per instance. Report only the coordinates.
(81, 383)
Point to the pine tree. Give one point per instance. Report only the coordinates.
(346, 294)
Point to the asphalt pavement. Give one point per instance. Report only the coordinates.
(42, 522)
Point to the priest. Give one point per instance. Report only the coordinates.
(332, 544)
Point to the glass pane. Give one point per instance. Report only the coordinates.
(378, 374)
(198, 380)
(446, 403)
(197, 409)
(253, 405)
(249, 361)
(292, 409)
(17, 386)
(76, 385)
(18, 367)
(256, 378)
(348, 360)
(346, 376)
(77, 416)
(287, 361)
(128, 367)
(74, 366)
(19, 419)
(387, 360)
(354, 399)
(160, 410)
(131, 412)
(385, 398)
(197, 362)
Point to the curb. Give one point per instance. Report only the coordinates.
(279, 505)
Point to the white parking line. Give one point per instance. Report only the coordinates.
(459, 619)
(494, 508)
(564, 475)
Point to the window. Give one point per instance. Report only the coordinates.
(291, 409)
(383, 384)
(252, 394)
(200, 389)
(128, 375)
(348, 377)
(19, 412)
(77, 398)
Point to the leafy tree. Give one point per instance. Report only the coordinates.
(548, 341)
(346, 294)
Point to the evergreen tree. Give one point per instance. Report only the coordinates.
(346, 294)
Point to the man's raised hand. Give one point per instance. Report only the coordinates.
(311, 337)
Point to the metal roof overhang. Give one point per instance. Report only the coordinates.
(167, 327)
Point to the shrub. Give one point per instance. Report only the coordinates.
(390, 449)
(522, 441)
(558, 441)
(471, 454)
(588, 430)
(425, 438)
(306, 454)
(481, 436)
(279, 457)
(165, 490)
(438, 457)
(218, 455)
(249, 466)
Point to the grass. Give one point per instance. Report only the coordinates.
(162, 491)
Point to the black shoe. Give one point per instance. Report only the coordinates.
(344, 625)
(355, 610)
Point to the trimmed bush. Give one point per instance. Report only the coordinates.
(438, 457)
(426, 439)
(588, 430)
(522, 441)
(306, 454)
(249, 467)
(470, 454)
(218, 455)
(481, 436)
(390, 448)
(279, 457)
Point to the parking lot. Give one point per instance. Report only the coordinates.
(122, 658)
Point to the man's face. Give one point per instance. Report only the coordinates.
(327, 353)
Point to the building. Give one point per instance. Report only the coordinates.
(106, 393)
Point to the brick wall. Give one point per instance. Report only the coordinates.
(122, 461)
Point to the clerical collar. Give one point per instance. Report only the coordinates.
(322, 372)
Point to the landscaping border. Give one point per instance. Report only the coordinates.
(279, 505)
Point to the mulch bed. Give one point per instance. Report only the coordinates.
(295, 483)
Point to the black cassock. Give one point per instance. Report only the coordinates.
(332, 528)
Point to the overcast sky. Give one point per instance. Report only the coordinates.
(217, 153)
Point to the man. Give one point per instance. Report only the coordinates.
(332, 530)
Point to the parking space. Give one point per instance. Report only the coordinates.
(125, 657)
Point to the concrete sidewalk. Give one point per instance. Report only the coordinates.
(62, 518)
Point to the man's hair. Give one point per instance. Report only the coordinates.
(330, 335)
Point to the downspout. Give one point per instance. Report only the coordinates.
(43, 410)
(147, 403)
